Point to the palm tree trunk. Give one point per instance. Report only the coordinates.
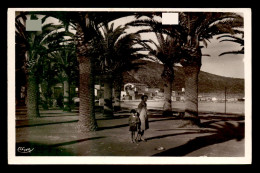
(108, 101)
(44, 95)
(87, 121)
(32, 97)
(117, 95)
(44, 100)
(167, 106)
(66, 95)
(168, 76)
(191, 93)
(191, 70)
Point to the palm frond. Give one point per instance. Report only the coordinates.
(231, 39)
(233, 52)
(241, 42)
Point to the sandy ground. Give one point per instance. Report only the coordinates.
(54, 134)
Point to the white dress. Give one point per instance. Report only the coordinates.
(142, 110)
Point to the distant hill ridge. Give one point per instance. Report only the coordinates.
(150, 74)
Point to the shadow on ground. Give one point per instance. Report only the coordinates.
(126, 124)
(39, 149)
(224, 132)
(44, 124)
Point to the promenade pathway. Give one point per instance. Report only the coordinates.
(54, 134)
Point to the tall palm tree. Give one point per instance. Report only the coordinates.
(87, 23)
(129, 52)
(193, 28)
(66, 63)
(167, 51)
(114, 54)
(35, 47)
(47, 79)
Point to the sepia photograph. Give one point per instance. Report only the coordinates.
(129, 86)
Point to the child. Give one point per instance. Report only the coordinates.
(134, 122)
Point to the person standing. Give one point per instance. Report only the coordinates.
(134, 122)
(142, 110)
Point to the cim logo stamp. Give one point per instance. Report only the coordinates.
(24, 150)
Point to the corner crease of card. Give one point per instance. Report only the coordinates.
(170, 18)
(33, 25)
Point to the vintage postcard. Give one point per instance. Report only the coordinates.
(153, 86)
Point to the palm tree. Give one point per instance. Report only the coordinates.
(47, 79)
(167, 51)
(66, 63)
(194, 28)
(87, 23)
(114, 54)
(35, 47)
(129, 52)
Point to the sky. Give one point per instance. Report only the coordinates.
(227, 65)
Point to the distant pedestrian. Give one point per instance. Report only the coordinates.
(142, 110)
(59, 101)
(134, 122)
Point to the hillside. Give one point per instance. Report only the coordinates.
(150, 74)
